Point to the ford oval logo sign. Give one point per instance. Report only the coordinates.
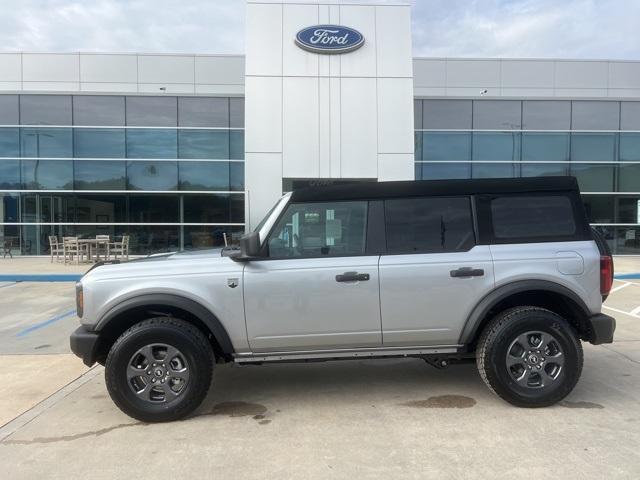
(329, 39)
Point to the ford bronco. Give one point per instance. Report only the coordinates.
(503, 272)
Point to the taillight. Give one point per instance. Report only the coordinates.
(606, 274)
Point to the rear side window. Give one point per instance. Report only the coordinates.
(429, 225)
(532, 217)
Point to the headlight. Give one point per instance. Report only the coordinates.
(79, 299)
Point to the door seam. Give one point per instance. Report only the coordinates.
(380, 302)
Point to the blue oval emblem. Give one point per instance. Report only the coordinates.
(329, 39)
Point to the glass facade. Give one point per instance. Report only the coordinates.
(166, 170)
(598, 142)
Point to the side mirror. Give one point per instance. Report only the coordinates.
(250, 245)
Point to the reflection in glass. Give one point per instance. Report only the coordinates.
(10, 208)
(205, 144)
(593, 147)
(453, 114)
(9, 142)
(543, 169)
(56, 207)
(629, 178)
(99, 143)
(46, 142)
(417, 145)
(593, 177)
(599, 208)
(154, 209)
(9, 110)
(443, 171)
(100, 175)
(493, 170)
(47, 174)
(204, 176)
(203, 112)
(438, 146)
(98, 110)
(29, 240)
(236, 112)
(11, 238)
(236, 144)
(497, 114)
(496, 146)
(629, 115)
(546, 114)
(208, 236)
(630, 147)
(29, 208)
(206, 209)
(9, 174)
(236, 204)
(45, 109)
(236, 176)
(622, 240)
(145, 111)
(101, 208)
(148, 239)
(628, 209)
(595, 115)
(151, 175)
(545, 147)
(152, 143)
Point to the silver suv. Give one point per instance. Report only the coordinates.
(506, 273)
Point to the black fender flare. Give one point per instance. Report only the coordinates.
(495, 296)
(160, 300)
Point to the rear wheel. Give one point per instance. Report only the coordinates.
(159, 370)
(530, 357)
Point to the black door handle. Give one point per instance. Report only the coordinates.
(352, 277)
(467, 272)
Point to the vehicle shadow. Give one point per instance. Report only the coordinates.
(353, 381)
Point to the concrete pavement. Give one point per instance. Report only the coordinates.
(350, 419)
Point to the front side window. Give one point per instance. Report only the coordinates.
(429, 225)
(320, 230)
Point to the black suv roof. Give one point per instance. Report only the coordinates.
(377, 190)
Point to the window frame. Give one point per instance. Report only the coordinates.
(485, 220)
(473, 218)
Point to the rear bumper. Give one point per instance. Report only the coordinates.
(601, 328)
(83, 344)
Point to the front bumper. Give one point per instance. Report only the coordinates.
(601, 328)
(84, 344)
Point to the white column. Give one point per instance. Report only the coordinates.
(310, 115)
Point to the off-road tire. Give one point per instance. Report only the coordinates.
(189, 340)
(494, 344)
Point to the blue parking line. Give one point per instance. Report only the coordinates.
(627, 276)
(66, 277)
(46, 323)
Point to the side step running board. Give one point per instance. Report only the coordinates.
(344, 353)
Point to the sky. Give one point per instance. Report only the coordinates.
(601, 29)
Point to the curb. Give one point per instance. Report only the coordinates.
(627, 276)
(67, 277)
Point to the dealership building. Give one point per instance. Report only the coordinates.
(183, 151)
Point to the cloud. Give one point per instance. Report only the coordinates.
(527, 28)
(441, 28)
(192, 26)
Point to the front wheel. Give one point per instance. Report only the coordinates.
(159, 370)
(530, 357)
